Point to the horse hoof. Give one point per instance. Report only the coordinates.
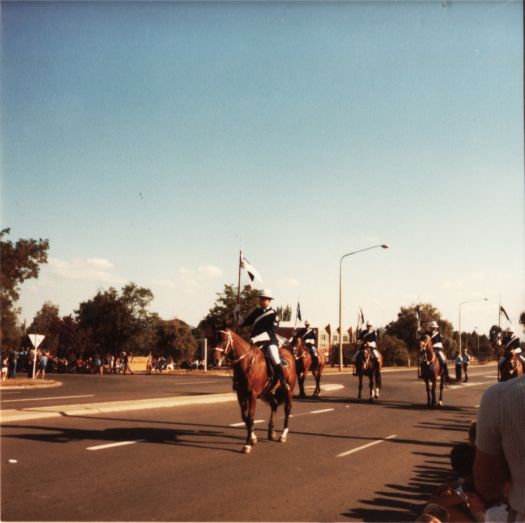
(253, 440)
(440, 403)
(282, 439)
(272, 436)
(246, 449)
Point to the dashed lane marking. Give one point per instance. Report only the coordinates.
(242, 424)
(473, 384)
(321, 411)
(110, 445)
(51, 398)
(362, 447)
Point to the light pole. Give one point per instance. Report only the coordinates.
(383, 246)
(463, 303)
(477, 335)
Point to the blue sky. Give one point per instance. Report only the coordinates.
(148, 141)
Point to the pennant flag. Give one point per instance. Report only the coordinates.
(502, 310)
(361, 316)
(418, 316)
(250, 269)
(328, 329)
(298, 313)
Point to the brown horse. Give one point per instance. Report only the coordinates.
(431, 369)
(253, 382)
(511, 367)
(304, 364)
(368, 366)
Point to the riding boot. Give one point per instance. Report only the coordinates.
(280, 376)
(315, 362)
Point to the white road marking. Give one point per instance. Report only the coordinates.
(476, 384)
(320, 411)
(12, 461)
(110, 445)
(242, 424)
(51, 398)
(348, 452)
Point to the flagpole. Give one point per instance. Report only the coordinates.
(498, 334)
(238, 292)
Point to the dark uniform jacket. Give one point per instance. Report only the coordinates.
(511, 342)
(369, 336)
(262, 320)
(308, 336)
(437, 341)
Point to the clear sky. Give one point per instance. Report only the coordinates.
(148, 141)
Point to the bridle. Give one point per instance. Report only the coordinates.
(227, 350)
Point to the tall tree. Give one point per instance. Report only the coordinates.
(20, 261)
(175, 339)
(47, 322)
(120, 322)
(405, 327)
(284, 313)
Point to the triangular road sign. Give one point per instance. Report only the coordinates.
(36, 339)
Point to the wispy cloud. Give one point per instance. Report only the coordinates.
(189, 281)
(210, 270)
(85, 269)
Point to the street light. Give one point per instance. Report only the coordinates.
(463, 303)
(477, 335)
(383, 246)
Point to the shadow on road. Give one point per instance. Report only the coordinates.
(197, 438)
(405, 502)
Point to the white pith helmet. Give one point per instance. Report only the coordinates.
(434, 325)
(266, 293)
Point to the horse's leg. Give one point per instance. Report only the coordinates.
(287, 411)
(433, 401)
(360, 386)
(272, 435)
(251, 438)
(317, 377)
(371, 384)
(441, 386)
(301, 377)
(427, 386)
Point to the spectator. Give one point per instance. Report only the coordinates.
(127, 359)
(500, 449)
(42, 365)
(5, 367)
(149, 364)
(466, 361)
(12, 358)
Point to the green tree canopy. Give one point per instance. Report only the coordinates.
(175, 339)
(20, 262)
(405, 327)
(120, 322)
(394, 350)
(222, 312)
(284, 313)
(47, 321)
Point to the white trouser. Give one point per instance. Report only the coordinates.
(274, 354)
(312, 348)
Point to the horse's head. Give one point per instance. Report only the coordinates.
(223, 348)
(297, 345)
(425, 347)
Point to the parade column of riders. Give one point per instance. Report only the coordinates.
(264, 321)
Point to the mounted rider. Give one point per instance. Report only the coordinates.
(310, 340)
(437, 344)
(367, 336)
(264, 321)
(511, 345)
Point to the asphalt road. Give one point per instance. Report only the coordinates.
(344, 460)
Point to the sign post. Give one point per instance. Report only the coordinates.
(36, 340)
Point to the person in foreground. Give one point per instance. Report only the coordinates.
(499, 465)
